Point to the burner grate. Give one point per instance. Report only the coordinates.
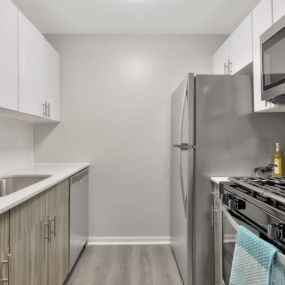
(263, 189)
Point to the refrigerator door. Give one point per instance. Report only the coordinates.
(226, 144)
(182, 120)
(182, 161)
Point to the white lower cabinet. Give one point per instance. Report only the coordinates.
(278, 9)
(8, 55)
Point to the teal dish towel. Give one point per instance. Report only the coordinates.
(254, 261)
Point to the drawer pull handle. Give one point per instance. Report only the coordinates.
(52, 229)
(47, 230)
(7, 263)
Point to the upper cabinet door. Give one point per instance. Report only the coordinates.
(8, 55)
(31, 68)
(261, 21)
(52, 81)
(278, 9)
(241, 46)
(221, 58)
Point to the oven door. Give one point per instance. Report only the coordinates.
(254, 219)
(273, 63)
(227, 242)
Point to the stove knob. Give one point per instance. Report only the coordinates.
(236, 204)
(240, 204)
(227, 198)
(276, 231)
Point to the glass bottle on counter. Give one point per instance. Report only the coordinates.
(277, 161)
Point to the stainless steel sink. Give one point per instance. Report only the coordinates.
(11, 184)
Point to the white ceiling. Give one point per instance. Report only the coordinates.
(136, 16)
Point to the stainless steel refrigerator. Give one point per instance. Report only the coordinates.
(210, 136)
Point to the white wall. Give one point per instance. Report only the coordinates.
(16, 144)
(116, 114)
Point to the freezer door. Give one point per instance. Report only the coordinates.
(182, 113)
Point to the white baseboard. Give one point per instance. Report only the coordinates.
(128, 240)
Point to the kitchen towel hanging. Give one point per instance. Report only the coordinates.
(255, 261)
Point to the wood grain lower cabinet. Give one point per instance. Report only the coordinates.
(216, 225)
(59, 228)
(4, 248)
(39, 238)
(28, 244)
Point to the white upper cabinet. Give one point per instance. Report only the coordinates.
(51, 82)
(261, 21)
(221, 58)
(39, 73)
(241, 46)
(236, 52)
(278, 9)
(8, 55)
(31, 71)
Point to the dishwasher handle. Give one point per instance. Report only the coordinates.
(79, 176)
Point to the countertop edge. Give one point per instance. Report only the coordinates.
(9, 202)
(218, 180)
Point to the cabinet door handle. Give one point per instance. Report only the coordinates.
(44, 109)
(230, 67)
(214, 195)
(48, 112)
(6, 262)
(47, 231)
(53, 229)
(226, 68)
(213, 216)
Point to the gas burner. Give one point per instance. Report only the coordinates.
(262, 198)
(270, 190)
(280, 206)
(277, 180)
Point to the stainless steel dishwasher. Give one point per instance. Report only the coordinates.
(79, 185)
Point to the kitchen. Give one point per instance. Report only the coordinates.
(112, 119)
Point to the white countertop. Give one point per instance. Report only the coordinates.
(57, 172)
(218, 180)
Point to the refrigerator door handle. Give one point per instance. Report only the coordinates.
(184, 196)
(183, 147)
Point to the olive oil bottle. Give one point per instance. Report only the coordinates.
(277, 161)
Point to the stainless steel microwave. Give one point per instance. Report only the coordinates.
(273, 63)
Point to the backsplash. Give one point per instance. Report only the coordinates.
(16, 143)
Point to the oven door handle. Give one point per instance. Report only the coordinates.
(229, 217)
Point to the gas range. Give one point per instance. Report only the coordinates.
(257, 204)
(270, 191)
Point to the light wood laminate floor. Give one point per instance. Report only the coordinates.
(126, 265)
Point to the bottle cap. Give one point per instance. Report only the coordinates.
(277, 146)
